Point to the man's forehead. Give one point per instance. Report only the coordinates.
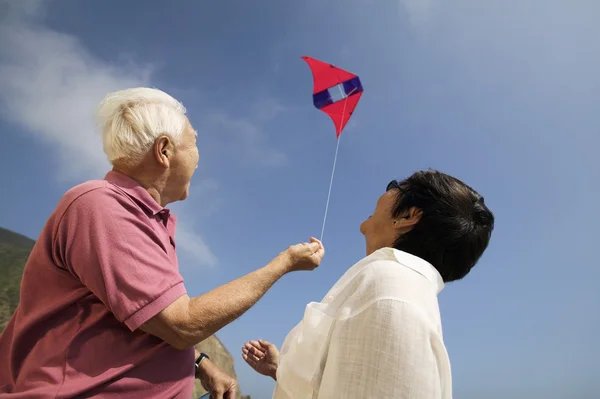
(190, 129)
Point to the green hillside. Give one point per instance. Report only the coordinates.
(14, 251)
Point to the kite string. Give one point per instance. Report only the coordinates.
(337, 147)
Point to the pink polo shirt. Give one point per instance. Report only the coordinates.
(103, 265)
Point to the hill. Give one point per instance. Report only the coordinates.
(14, 251)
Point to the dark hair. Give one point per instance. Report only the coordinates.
(455, 226)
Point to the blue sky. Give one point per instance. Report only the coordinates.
(501, 94)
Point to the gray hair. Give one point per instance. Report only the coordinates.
(132, 119)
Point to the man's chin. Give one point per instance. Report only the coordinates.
(185, 194)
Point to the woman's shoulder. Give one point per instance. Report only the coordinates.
(383, 275)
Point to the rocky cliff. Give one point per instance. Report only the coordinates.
(14, 251)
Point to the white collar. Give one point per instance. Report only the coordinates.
(405, 259)
(417, 264)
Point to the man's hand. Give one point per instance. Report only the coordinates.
(218, 384)
(305, 256)
(262, 356)
(187, 321)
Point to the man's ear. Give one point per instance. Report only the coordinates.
(163, 151)
(409, 220)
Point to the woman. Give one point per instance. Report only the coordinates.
(377, 333)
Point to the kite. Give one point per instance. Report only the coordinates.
(336, 92)
(327, 78)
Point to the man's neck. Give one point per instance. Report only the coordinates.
(151, 184)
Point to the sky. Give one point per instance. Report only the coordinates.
(501, 94)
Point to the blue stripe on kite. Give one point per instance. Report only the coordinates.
(352, 86)
(323, 98)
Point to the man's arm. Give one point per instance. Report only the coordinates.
(118, 257)
(188, 321)
(384, 351)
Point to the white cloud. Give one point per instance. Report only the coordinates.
(191, 243)
(246, 135)
(23, 9)
(266, 108)
(50, 85)
(243, 133)
(419, 11)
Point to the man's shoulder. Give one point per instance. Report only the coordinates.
(84, 188)
(92, 193)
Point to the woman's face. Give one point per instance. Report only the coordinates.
(381, 229)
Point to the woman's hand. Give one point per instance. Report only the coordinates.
(262, 356)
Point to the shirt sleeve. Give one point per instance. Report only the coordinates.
(108, 243)
(384, 351)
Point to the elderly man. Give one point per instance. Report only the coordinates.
(104, 311)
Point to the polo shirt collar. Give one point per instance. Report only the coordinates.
(136, 192)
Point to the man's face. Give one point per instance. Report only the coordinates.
(184, 163)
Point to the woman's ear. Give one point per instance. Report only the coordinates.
(414, 215)
(409, 220)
